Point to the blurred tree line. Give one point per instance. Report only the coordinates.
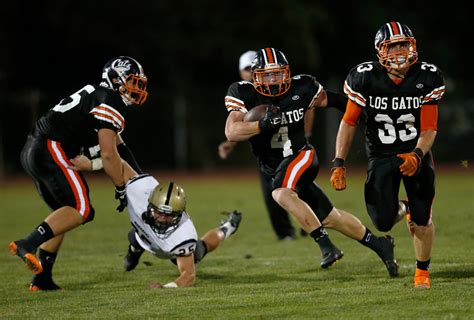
(190, 53)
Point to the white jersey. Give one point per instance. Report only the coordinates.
(181, 242)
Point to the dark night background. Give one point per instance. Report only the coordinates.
(190, 51)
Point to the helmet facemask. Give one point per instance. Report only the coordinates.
(133, 89)
(163, 220)
(272, 81)
(403, 56)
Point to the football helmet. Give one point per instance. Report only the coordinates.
(125, 74)
(395, 45)
(271, 72)
(166, 205)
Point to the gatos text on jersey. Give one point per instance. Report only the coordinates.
(395, 103)
(292, 116)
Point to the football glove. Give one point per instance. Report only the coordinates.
(271, 120)
(338, 178)
(411, 162)
(121, 196)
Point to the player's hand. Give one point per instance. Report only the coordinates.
(121, 195)
(338, 178)
(81, 163)
(271, 120)
(156, 285)
(225, 148)
(411, 162)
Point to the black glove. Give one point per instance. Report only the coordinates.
(271, 120)
(121, 195)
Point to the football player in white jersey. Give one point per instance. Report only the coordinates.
(162, 226)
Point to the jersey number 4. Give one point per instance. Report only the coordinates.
(389, 133)
(281, 140)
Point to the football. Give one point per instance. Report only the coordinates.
(256, 113)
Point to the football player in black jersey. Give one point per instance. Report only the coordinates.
(279, 218)
(94, 115)
(399, 97)
(280, 145)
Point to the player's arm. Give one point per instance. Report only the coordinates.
(429, 127)
(187, 274)
(345, 135)
(308, 123)
(187, 271)
(330, 99)
(238, 130)
(225, 148)
(111, 160)
(127, 155)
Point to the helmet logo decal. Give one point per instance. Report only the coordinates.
(122, 65)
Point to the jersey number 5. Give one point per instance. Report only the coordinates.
(388, 134)
(73, 100)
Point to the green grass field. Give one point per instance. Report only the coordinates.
(282, 280)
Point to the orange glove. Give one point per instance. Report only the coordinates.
(338, 178)
(411, 162)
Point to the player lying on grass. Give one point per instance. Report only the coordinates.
(162, 226)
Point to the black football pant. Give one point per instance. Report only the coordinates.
(382, 187)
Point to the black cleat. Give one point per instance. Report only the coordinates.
(234, 219)
(132, 258)
(40, 283)
(329, 258)
(387, 255)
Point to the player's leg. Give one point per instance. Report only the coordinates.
(292, 174)
(381, 192)
(421, 191)
(134, 252)
(63, 189)
(351, 226)
(279, 218)
(214, 237)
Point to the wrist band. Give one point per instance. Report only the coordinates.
(338, 162)
(170, 285)
(96, 164)
(419, 152)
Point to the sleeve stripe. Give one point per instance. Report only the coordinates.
(234, 100)
(109, 119)
(110, 114)
(436, 94)
(113, 111)
(354, 96)
(236, 108)
(316, 95)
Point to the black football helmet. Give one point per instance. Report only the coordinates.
(126, 75)
(390, 35)
(166, 205)
(271, 72)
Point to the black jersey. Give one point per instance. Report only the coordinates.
(392, 111)
(271, 147)
(75, 120)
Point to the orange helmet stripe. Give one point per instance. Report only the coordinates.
(270, 56)
(395, 28)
